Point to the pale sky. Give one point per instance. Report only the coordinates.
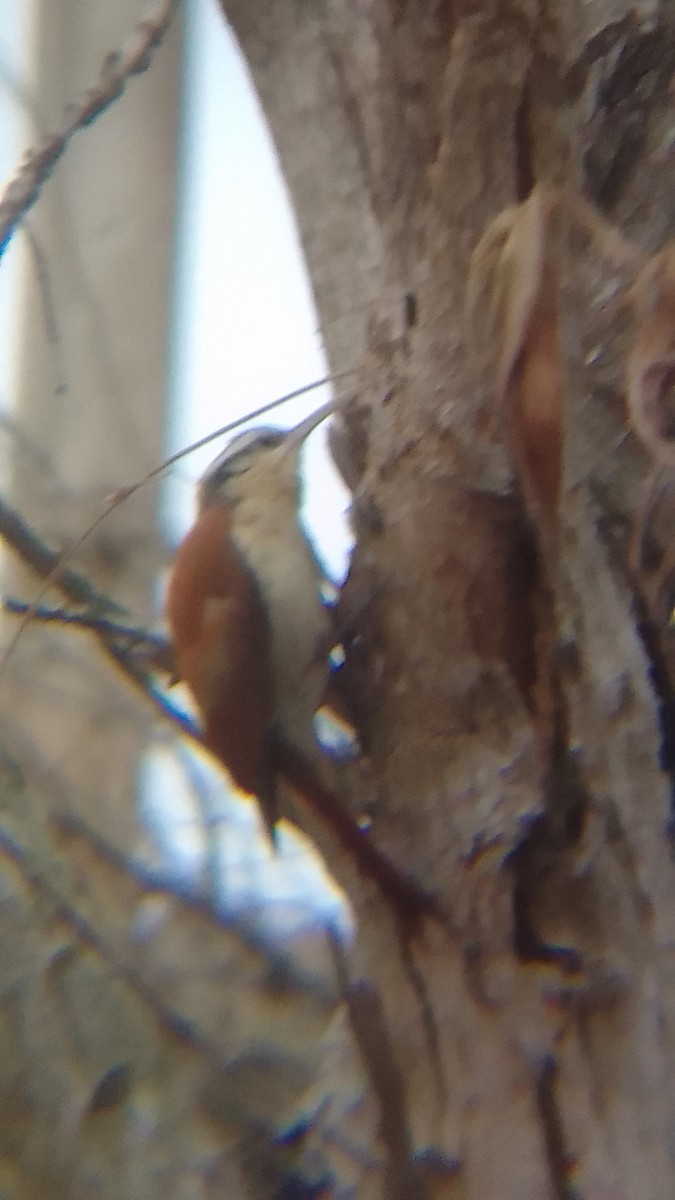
(13, 31)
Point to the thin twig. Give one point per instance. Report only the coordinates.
(153, 648)
(86, 620)
(35, 554)
(23, 189)
(28, 546)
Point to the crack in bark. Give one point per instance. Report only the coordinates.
(519, 643)
(427, 1015)
(522, 145)
(537, 860)
(351, 109)
(403, 1180)
(560, 1162)
(598, 46)
(664, 694)
(658, 673)
(628, 99)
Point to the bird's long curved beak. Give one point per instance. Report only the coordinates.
(298, 433)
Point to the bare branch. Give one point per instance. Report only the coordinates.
(153, 649)
(35, 554)
(49, 566)
(23, 189)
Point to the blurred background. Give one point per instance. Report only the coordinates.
(155, 292)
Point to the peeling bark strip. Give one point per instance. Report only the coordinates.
(650, 379)
(516, 264)
(651, 365)
(515, 261)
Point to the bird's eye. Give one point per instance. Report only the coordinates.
(238, 455)
(269, 439)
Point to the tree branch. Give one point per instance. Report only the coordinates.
(19, 195)
(153, 648)
(45, 562)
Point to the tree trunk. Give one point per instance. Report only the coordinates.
(90, 391)
(520, 1043)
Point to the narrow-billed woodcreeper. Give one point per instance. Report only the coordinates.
(250, 631)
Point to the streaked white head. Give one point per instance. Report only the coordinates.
(252, 454)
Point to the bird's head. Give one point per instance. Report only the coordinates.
(257, 455)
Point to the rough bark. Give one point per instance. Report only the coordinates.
(523, 1045)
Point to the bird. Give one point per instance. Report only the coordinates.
(251, 639)
(250, 630)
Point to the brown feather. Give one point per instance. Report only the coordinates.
(221, 638)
